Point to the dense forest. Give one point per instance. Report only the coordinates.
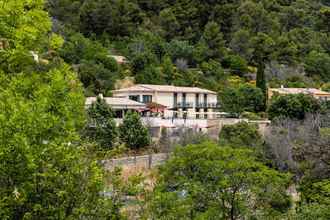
(54, 53)
(212, 44)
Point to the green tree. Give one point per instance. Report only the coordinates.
(292, 106)
(236, 64)
(263, 48)
(207, 181)
(213, 39)
(44, 168)
(101, 127)
(318, 64)
(132, 132)
(115, 18)
(241, 134)
(245, 97)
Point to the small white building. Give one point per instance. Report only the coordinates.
(180, 102)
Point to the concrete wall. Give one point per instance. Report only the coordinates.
(142, 162)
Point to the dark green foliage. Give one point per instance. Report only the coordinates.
(132, 132)
(207, 181)
(292, 106)
(101, 127)
(236, 33)
(236, 64)
(318, 64)
(241, 134)
(96, 69)
(116, 18)
(245, 97)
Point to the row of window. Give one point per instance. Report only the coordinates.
(145, 98)
(184, 99)
(148, 98)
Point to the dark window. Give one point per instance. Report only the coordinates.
(197, 100)
(175, 99)
(146, 98)
(205, 100)
(134, 98)
(184, 98)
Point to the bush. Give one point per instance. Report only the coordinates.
(293, 106)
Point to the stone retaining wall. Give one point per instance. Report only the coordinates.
(144, 162)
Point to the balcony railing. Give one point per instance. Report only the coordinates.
(208, 105)
(198, 105)
(184, 105)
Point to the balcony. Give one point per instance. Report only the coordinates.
(208, 105)
(183, 105)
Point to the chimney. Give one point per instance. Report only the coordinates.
(282, 87)
(101, 96)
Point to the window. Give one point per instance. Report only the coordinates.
(197, 100)
(175, 99)
(184, 98)
(146, 98)
(134, 98)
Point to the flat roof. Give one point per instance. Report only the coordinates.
(163, 88)
(116, 102)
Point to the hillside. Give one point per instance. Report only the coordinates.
(202, 43)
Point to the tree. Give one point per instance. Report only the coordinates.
(236, 64)
(213, 39)
(207, 181)
(115, 18)
(292, 106)
(96, 70)
(132, 132)
(241, 134)
(263, 48)
(245, 97)
(44, 167)
(318, 63)
(101, 127)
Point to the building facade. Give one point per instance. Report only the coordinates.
(180, 102)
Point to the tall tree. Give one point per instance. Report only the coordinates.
(206, 181)
(43, 168)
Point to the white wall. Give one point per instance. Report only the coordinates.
(167, 99)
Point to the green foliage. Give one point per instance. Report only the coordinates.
(292, 106)
(207, 181)
(236, 64)
(101, 127)
(132, 132)
(253, 33)
(96, 69)
(241, 134)
(39, 124)
(117, 18)
(44, 167)
(318, 64)
(245, 97)
(315, 199)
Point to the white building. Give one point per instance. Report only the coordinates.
(180, 102)
(119, 105)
